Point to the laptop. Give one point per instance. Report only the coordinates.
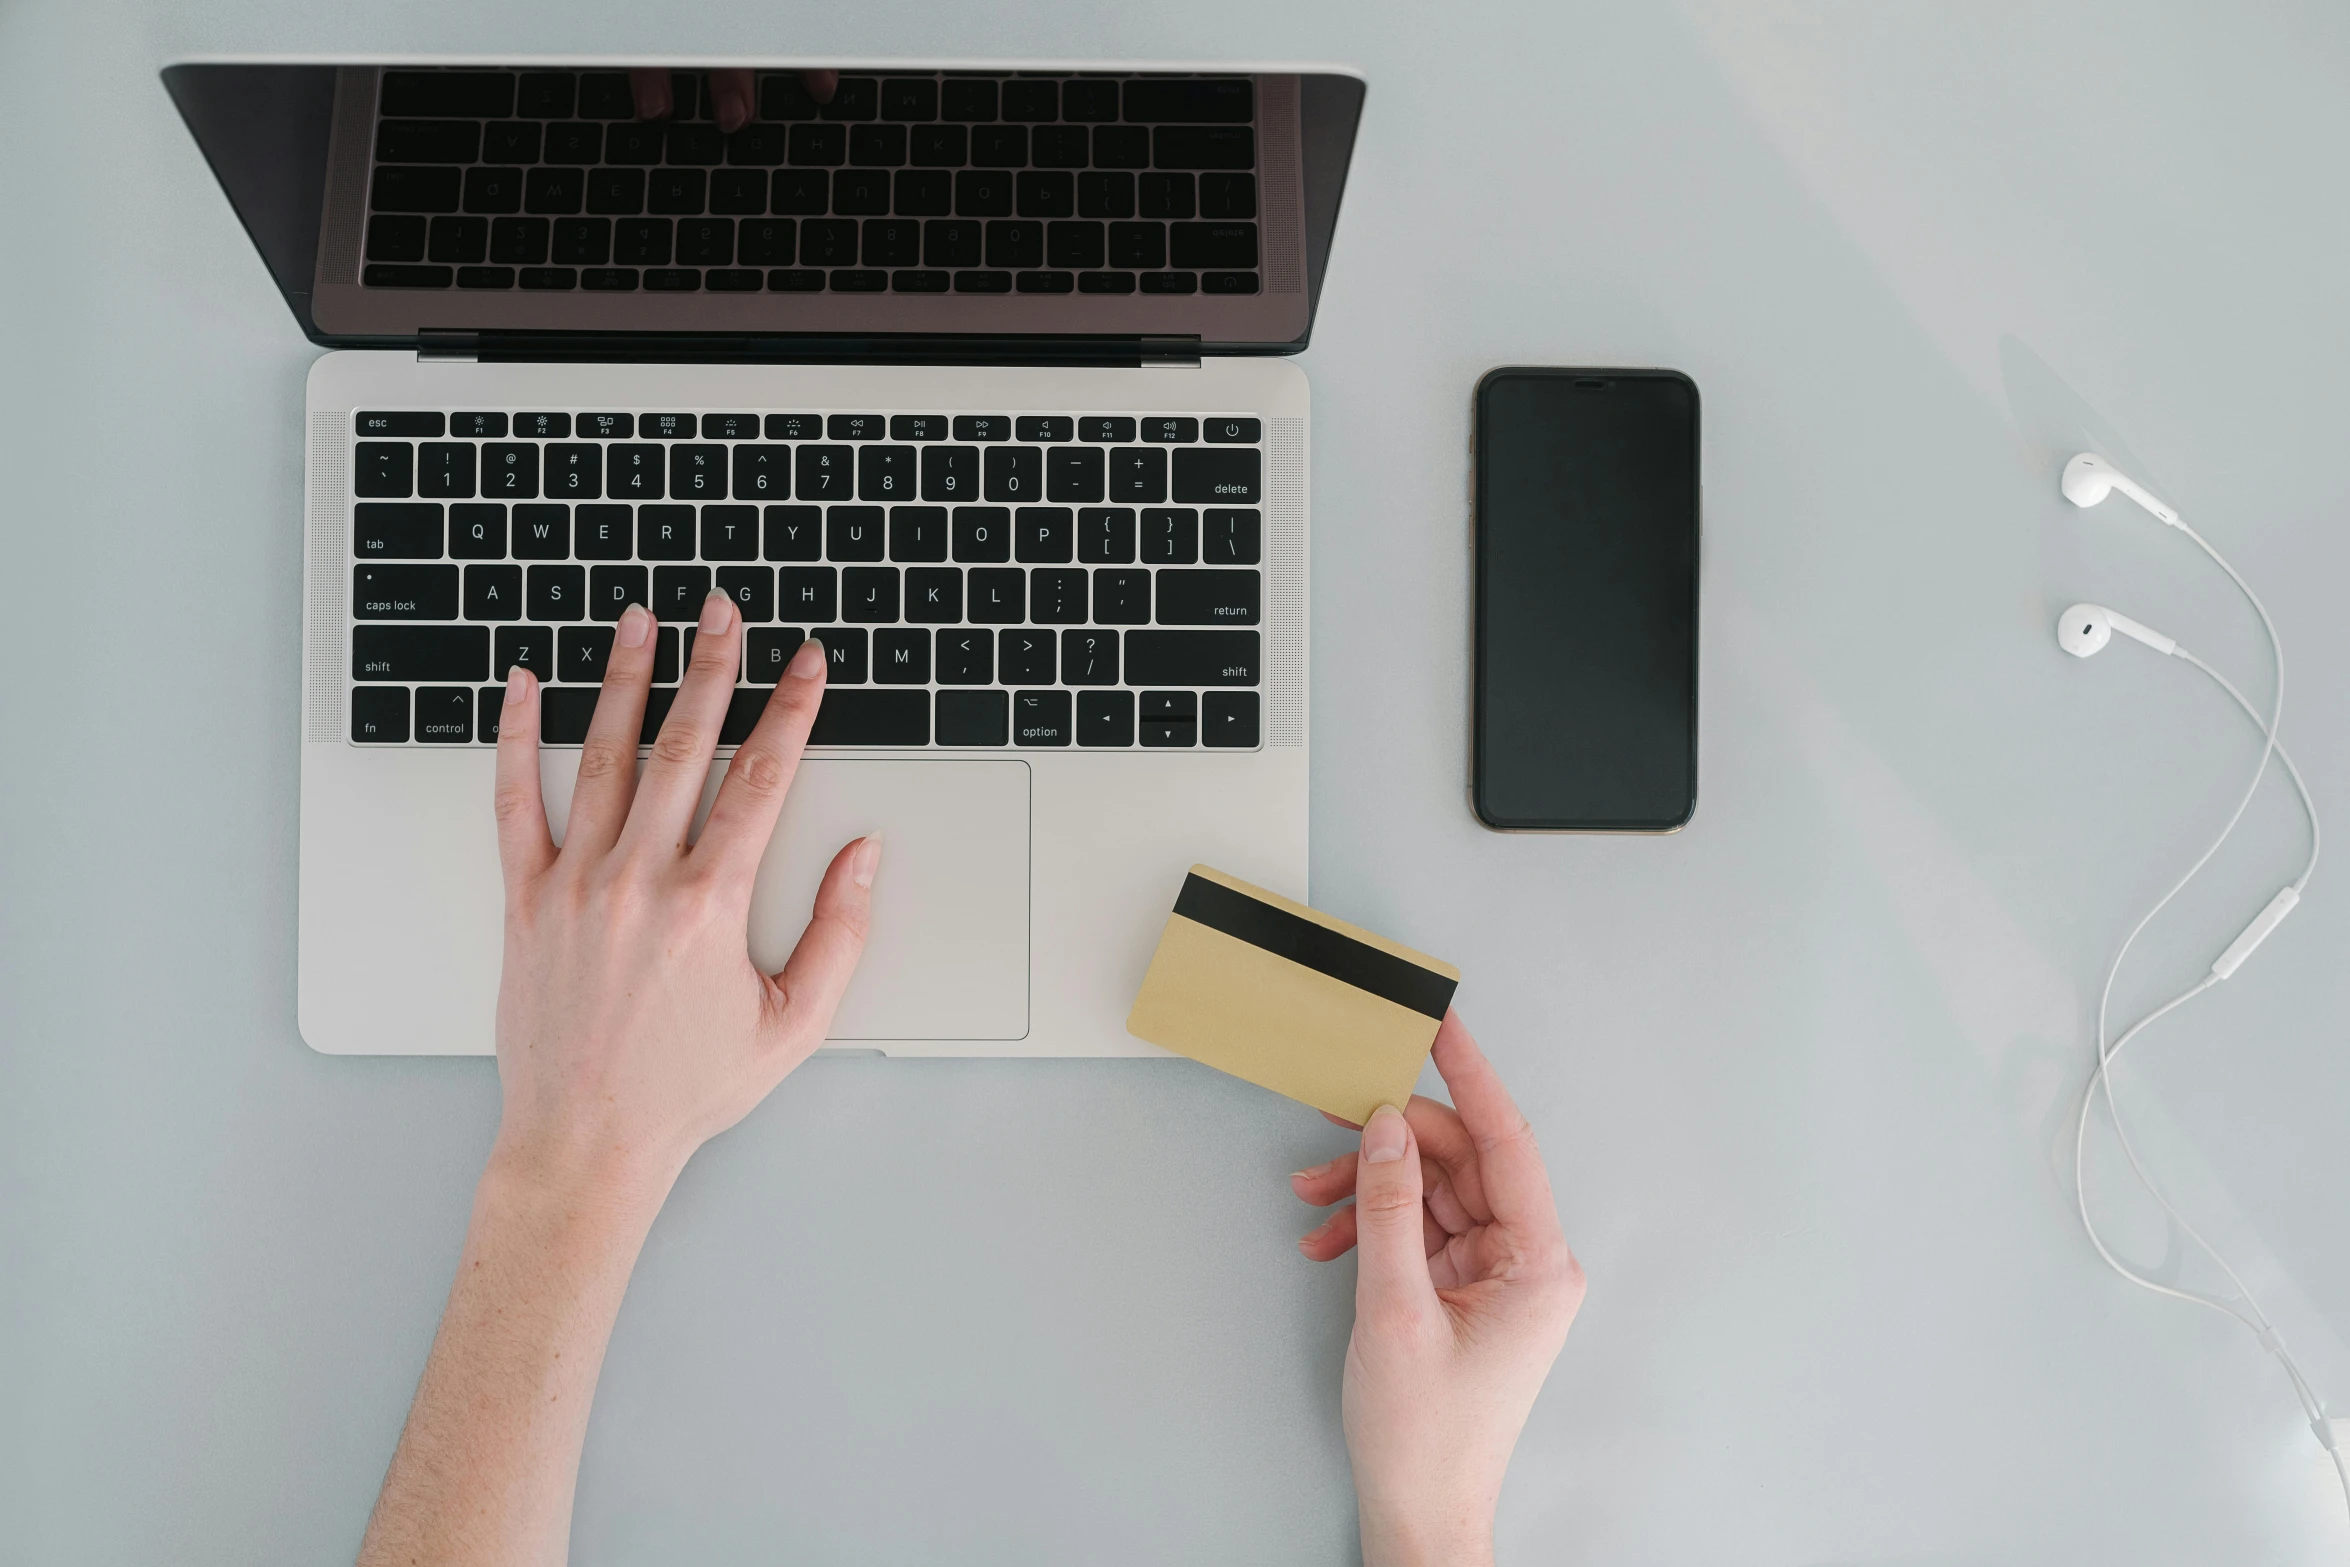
(975, 375)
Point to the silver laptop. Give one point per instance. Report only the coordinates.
(975, 375)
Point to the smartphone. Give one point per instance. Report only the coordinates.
(1584, 712)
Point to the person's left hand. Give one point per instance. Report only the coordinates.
(632, 1024)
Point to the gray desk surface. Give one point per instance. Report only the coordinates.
(1804, 1071)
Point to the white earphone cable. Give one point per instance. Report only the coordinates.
(2101, 1080)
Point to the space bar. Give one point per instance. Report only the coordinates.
(852, 717)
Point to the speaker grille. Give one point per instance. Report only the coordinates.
(1285, 494)
(322, 697)
(1285, 271)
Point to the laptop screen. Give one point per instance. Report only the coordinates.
(756, 211)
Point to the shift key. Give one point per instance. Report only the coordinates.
(403, 593)
(420, 653)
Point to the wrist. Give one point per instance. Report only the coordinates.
(609, 1186)
(1430, 1534)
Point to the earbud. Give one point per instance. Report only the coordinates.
(2084, 629)
(2089, 478)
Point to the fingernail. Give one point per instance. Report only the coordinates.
(868, 860)
(808, 662)
(1383, 1136)
(518, 685)
(636, 624)
(717, 613)
(1306, 1175)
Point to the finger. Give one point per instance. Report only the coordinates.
(826, 957)
(1509, 1165)
(607, 760)
(742, 818)
(1333, 1238)
(1393, 1283)
(1447, 1144)
(650, 89)
(525, 848)
(734, 96)
(821, 85)
(1334, 1120)
(670, 791)
(1325, 1184)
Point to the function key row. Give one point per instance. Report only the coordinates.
(606, 95)
(1159, 429)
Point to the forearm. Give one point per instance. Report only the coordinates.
(486, 1466)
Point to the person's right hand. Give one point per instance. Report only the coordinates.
(1463, 1300)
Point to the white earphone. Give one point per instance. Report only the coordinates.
(2083, 631)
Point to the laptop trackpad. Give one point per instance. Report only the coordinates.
(947, 955)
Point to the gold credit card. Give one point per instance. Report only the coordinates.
(1291, 999)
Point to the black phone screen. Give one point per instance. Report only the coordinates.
(1586, 614)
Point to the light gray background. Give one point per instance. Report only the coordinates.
(1803, 1072)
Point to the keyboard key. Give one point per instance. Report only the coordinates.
(678, 592)
(1040, 718)
(493, 593)
(982, 427)
(379, 714)
(391, 237)
(844, 654)
(885, 473)
(1105, 717)
(1105, 535)
(973, 717)
(1027, 657)
(997, 596)
(1191, 658)
(403, 592)
(612, 589)
(493, 190)
(983, 533)
(934, 595)
(510, 141)
(1228, 282)
(489, 704)
(909, 99)
(509, 469)
(557, 592)
(478, 426)
(966, 657)
(1165, 430)
(766, 653)
(444, 715)
(853, 533)
(1014, 473)
(379, 275)
(918, 533)
(1076, 246)
(607, 427)
(872, 718)
(1138, 475)
(826, 473)
(751, 149)
(1042, 534)
(400, 188)
(794, 533)
(1046, 282)
(664, 533)
(697, 145)
(533, 647)
(574, 143)
(762, 473)
(697, 472)
(1170, 283)
(856, 98)
(1139, 245)
(549, 277)
(730, 533)
(1056, 596)
(1029, 99)
(1208, 598)
(1122, 596)
(410, 653)
(384, 468)
(1230, 475)
(574, 470)
(809, 593)
(1170, 537)
(1231, 538)
(1045, 193)
(869, 594)
(385, 530)
(950, 473)
(477, 531)
(752, 588)
(633, 471)
(480, 95)
(581, 653)
(999, 146)
(542, 532)
(1197, 245)
(427, 141)
(564, 714)
(1170, 718)
(1074, 473)
(1230, 719)
(901, 656)
(967, 100)
(1204, 147)
(1089, 657)
(1191, 100)
(1059, 146)
(408, 424)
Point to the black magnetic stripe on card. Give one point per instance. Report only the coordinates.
(1315, 946)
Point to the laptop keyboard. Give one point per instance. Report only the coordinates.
(914, 184)
(977, 579)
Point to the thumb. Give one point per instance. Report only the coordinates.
(820, 966)
(1393, 1276)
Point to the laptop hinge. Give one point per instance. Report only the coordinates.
(1171, 353)
(439, 346)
